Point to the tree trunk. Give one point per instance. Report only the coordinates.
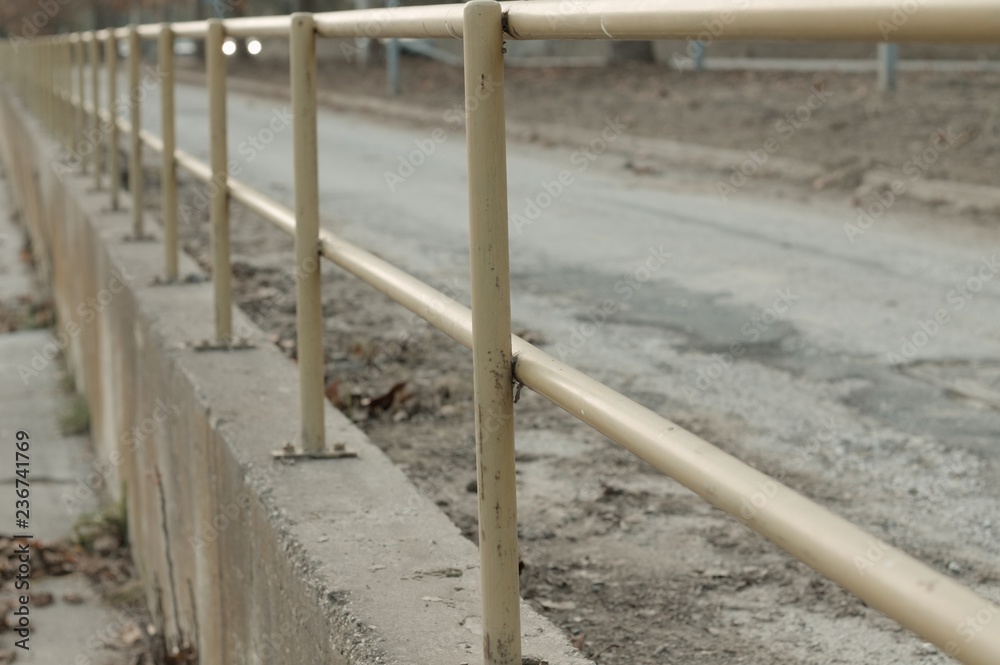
(100, 15)
(632, 52)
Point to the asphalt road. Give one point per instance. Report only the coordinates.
(855, 357)
(845, 300)
(798, 334)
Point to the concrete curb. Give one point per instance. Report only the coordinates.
(248, 559)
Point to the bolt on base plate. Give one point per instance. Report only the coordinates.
(186, 279)
(289, 451)
(143, 238)
(236, 344)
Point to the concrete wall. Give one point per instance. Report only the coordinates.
(250, 560)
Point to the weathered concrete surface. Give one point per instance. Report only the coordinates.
(31, 399)
(253, 561)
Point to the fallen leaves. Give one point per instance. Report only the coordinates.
(398, 402)
(396, 395)
(25, 313)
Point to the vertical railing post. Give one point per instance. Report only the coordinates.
(114, 170)
(57, 90)
(168, 183)
(392, 58)
(40, 75)
(492, 363)
(95, 94)
(135, 179)
(888, 60)
(54, 86)
(219, 186)
(36, 82)
(33, 81)
(81, 112)
(46, 76)
(69, 111)
(309, 304)
(699, 55)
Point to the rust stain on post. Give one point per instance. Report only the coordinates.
(491, 332)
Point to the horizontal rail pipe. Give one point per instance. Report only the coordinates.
(146, 30)
(199, 169)
(863, 20)
(962, 21)
(421, 22)
(258, 26)
(918, 597)
(189, 29)
(146, 137)
(921, 599)
(842, 20)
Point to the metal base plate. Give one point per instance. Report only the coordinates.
(238, 344)
(289, 451)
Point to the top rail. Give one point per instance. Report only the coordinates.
(430, 21)
(955, 21)
(861, 20)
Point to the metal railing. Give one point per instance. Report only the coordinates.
(920, 598)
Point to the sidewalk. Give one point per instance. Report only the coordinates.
(60, 632)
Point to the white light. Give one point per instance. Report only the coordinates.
(229, 47)
(253, 47)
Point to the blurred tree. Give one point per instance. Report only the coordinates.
(29, 18)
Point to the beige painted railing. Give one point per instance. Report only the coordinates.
(920, 598)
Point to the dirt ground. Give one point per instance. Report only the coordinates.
(633, 569)
(838, 120)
